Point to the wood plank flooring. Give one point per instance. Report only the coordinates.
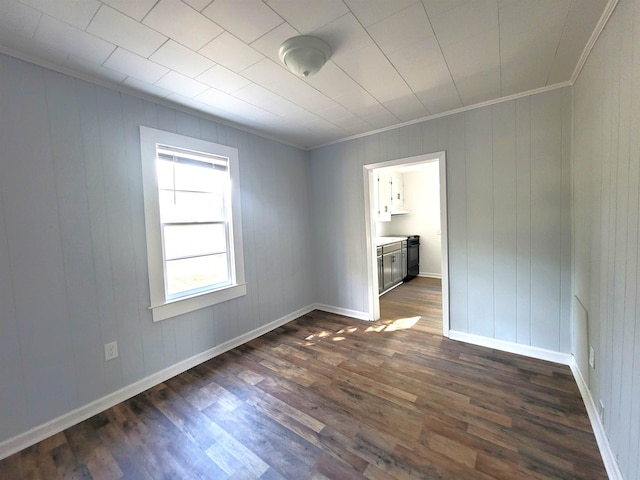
(326, 396)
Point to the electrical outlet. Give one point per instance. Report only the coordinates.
(592, 357)
(601, 412)
(110, 350)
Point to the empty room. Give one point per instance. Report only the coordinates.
(319, 239)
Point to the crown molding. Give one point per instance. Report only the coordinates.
(604, 18)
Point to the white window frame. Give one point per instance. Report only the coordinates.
(162, 307)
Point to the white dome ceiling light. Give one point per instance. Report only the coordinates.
(304, 55)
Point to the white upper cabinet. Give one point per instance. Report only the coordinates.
(383, 196)
(389, 194)
(397, 192)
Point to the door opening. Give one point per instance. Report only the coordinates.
(376, 211)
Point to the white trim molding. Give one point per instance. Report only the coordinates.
(511, 347)
(608, 457)
(57, 425)
(342, 311)
(604, 18)
(430, 275)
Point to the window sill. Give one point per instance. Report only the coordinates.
(180, 306)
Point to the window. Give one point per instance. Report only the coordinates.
(193, 224)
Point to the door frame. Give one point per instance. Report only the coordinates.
(370, 230)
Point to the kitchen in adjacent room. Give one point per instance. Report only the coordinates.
(407, 235)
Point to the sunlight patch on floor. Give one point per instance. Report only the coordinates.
(399, 324)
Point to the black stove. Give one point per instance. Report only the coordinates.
(413, 256)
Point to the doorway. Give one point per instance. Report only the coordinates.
(372, 233)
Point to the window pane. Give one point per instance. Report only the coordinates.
(192, 240)
(176, 207)
(189, 177)
(194, 273)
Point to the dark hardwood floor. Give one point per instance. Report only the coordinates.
(326, 396)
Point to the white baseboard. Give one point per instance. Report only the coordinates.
(511, 347)
(342, 311)
(608, 457)
(39, 433)
(430, 275)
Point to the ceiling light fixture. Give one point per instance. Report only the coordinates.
(304, 55)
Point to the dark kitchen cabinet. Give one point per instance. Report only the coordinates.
(392, 265)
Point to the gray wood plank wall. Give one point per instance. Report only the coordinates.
(509, 216)
(73, 270)
(606, 176)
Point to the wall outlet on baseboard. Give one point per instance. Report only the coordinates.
(592, 357)
(110, 350)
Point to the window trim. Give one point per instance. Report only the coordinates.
(161, 307)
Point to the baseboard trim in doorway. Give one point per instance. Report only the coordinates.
(69, 419)
(526, 350)
(430, 275)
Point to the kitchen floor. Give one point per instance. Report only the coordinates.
(419, 296)
(327, 396)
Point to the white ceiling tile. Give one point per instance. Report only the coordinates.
(432, 83)
(478, 87)
(223, 79)
(72, 12)
(135, 66)
(473, 55)
(32, 49)
(436, 7)
(526, 62)
(343, 35)
(223, 102)
(354, 125)
(269, 101)
(94, 70)
(387, 65)
(181, 84)
(185, 101)
(135, 9)
(18, 19)
(465, 21)
(199, 5)
(246, 19)
(422, 64)
(373, 71)
(177, 57)
(269, 44)
(543, 16)
(336, 85)
(576, 34)
(321, 131)
(440, 98)
(406, 108)
(230, 52)
(377, 116)
(121, 30)
(333, 112)
(72, 40)
(182, 23)
(308, 15)
(140, 86)
(402, 29)
(279, 80)
(369, 12)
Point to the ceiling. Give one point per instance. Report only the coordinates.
(393, 61)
